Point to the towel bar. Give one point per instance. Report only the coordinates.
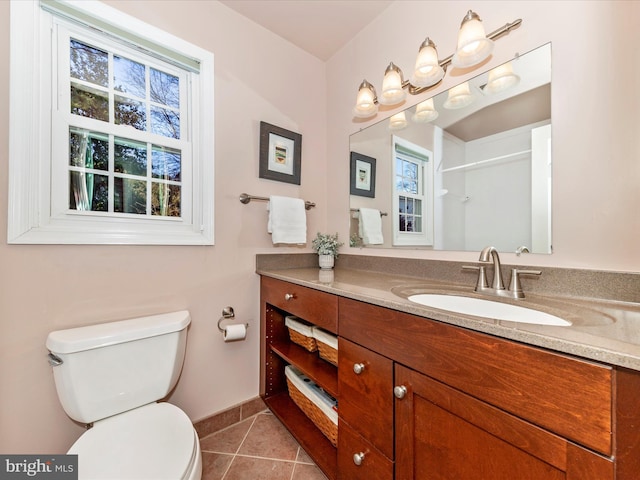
(382, 214)
(246, 198)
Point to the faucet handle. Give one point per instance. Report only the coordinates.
(514, 285)
(482, 275)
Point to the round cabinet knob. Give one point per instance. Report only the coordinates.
(358, 458)
(358, 368)
(400, 391)
(289, 296)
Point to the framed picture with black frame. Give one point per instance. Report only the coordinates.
(280, 154)
(363, 175)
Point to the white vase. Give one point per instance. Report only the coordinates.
(326, 261)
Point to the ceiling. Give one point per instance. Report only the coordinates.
(321, 27)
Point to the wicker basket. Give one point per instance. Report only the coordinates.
(327, 345)
(301, 333)
(328, 428)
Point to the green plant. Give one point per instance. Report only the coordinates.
(325, 244)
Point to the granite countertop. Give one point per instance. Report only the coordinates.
(602, 330)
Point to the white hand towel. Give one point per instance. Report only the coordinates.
(370, 226)
(287, 220)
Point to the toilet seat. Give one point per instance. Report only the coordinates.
(154, 442)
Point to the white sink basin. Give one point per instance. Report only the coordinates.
(488, 309)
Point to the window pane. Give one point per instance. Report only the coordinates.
(411, 170)
(165, 199)
(130, 196)
(89, 102)
(418, 224)
(89, 64)
(165, 88)
(418, 206)
(130, 112)
(129, 76)
(130, 157)
(165, 122)
(166, 163)
(88, 150)
(88, 192)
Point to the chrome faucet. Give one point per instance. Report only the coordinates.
(489, 255)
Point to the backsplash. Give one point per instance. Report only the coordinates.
(570, 282)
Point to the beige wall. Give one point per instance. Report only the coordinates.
(595, 102)
(261, 77)
(258, 76)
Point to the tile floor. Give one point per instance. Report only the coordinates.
(258, 448)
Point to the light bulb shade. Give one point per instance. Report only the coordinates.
(459, 96)
(425, 112)
(473, 44)
(366, 101)
(398, 121)
(427, 71)
(501, 78)
(392, 91)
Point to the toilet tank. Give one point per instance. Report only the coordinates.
(113, 367)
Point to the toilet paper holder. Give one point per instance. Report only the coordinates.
(227, 313)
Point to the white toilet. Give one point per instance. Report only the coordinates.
(112, 375)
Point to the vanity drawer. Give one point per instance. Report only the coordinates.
(358, 459)
(562, 394)
(365, 390)
(315, 307)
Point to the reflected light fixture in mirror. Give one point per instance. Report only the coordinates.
(473, 44)
(398, 121)
(473, 47)
(425, 112)
(501, 78)
(459, 97)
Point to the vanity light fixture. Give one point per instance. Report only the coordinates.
(473, 45)
(425, 112)
(427, 71)
(459, 97)
(366, 103)
(392, 91)
(473, 48)
(501, 78)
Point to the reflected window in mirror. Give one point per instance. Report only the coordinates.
(412, 194)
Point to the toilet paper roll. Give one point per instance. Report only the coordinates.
(235, 332)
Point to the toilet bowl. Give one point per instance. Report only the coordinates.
(112, 376)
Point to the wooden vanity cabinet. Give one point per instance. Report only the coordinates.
(467, 406)
(279, 299)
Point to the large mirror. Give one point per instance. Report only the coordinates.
(460, 172)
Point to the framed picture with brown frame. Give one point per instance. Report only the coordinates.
(363, 175)
(280, 154)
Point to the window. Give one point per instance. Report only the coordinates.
(412, 194)
(118, 146)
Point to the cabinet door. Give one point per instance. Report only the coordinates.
(444, 434)
(365, 392)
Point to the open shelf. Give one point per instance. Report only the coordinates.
(319, 448)
(318, 370)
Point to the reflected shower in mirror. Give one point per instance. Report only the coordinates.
(467, 168)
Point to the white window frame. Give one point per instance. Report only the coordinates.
(34, 217)
(425, 195)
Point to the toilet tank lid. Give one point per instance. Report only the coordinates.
(101, 335)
